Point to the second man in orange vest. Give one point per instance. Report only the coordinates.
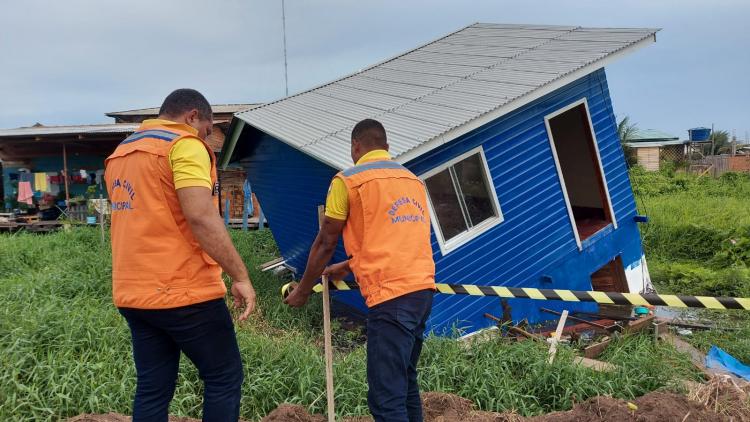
(381, 209)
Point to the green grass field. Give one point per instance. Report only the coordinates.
(698, 242)
(65, 350)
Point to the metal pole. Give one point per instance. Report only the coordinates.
(283, 26)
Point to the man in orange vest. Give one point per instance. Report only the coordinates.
(169, 246)
(381, 209)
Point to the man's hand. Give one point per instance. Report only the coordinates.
(320, 253)
(337, 271)
(297, 298)
(244, 295)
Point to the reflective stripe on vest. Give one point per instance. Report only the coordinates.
(156, 261)
(387, 231)
(151, 133)
(384, 164)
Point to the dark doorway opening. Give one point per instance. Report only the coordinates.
(580, 170)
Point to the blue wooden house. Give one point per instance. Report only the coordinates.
(512, 129)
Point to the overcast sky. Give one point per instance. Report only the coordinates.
(69, 62)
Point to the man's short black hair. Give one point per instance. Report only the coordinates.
(183, 100)
(370, 132)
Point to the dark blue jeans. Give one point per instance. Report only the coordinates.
(205, 333)
(395, 332)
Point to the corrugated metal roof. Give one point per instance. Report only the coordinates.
(644, 135)
(647, 144)
(434, 93)
(69, 130)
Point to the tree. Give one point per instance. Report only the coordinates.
(720, 143)
(626, 131)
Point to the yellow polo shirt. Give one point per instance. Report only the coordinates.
(189, 159)
(337, 201)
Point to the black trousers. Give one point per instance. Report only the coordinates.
(395, 333)
(205, 333)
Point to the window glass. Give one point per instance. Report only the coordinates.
(461, 197)
(445, 204)
(470, 173)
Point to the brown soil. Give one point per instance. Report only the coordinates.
(653, 407)
(712, 402)
(292, 413)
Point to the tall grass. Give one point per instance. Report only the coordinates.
(698, 243)
(65, 350)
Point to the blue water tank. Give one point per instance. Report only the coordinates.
(698, 134)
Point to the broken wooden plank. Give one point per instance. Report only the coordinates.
(272, 264)
(594, 364)
(609, 328)
(596, 349)
(694, 326)
(639, 325)
(556, 338)
(525, 333)
(660, 328)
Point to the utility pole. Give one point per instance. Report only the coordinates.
(283, 26)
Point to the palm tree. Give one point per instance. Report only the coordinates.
(626, 130)
(720, 142)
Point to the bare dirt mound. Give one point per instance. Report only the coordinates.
(292, 413)
(443, 407)
(716, 401)
(653, 407)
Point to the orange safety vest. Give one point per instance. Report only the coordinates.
(387, 232)
(156, 261)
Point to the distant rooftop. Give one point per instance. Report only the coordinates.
(646, 135)
(154, 111)
(648, 138)
(42, 130)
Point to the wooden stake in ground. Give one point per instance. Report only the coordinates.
(327, 335)
(101, 216)
(556, 337)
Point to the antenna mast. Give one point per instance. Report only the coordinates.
(283, 26)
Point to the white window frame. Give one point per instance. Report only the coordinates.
(465, 237)
(583, 101)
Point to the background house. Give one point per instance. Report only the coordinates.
(512, 129)
(651, 147)
(81, 149)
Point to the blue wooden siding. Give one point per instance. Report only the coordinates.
(534, 246)
(289, 186)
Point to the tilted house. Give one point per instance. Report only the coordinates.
(510, 126)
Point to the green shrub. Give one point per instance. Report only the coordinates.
(692, 279)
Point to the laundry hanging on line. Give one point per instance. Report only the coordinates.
(40, 182)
